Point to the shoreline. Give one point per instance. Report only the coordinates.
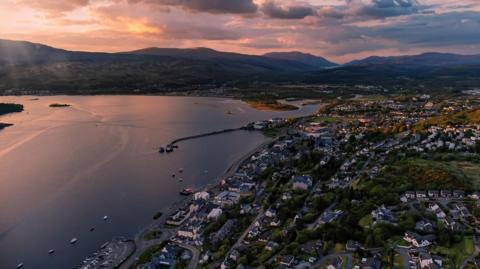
(159, 224)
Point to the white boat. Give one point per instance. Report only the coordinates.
(51, 251)
(105, 217)
(20, 265)
(180, 179)
(73, 241)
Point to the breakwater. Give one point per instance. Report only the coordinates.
(207, 134)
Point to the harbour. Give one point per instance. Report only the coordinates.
(113, 168)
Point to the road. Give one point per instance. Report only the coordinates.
(475, 253)
(404, 253)
(195, 255)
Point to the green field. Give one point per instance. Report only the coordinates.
(417, 173)
(458, 252)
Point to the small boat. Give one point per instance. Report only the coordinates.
(105, 217)
(180, 179)
(20, 265)
(92, 229)
(51, 251)
(169, 149)
(73, 241)
(186, 191)
(174, 146)
(161, 150)
(173, 175)
(180, 170)
(228, 112)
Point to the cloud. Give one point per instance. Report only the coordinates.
(274, 10)
(386, 8)
(54, 8)
(209, 6)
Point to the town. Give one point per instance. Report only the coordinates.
(368, 182)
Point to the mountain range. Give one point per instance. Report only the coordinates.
(30, 66)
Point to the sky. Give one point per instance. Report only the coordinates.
(340, 30)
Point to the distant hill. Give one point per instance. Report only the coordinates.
(316, 62)
(230, 59)
(425, 59)
(28, 66)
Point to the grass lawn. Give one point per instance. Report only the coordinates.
(398, 261)
(149, 253)
(458, 252)
(338, 248)
(471, 170)
(344, 262)
(425, 174)
(150, 235)
(366, 221)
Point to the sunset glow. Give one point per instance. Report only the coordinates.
(338, 29)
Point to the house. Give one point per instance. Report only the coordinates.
(425, 226)
(203, 195)
(223, 232)
(416, 240)
(188, 232)
(271, 213)
(410, 195)
(302, 183)
(271, 245)
(371, 263)
(214, 214)
(226, 199)
(352, 245)
(382, 215)
(421, 194)
(433, 194)
(458, 194)
(234, 255)
(287, 260)
(428, 261)
(245, 209)
(167, 257)
(275, 222)
(445, 193)
(425, 260)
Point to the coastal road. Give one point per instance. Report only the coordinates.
(405, 255)
(195, 255)
(142, 245)
(475, 253)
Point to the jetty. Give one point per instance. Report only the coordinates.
(173, 143)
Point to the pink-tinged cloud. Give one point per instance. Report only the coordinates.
(338, 29)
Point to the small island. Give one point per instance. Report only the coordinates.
(4, 125)
(59, 105)
(6, 108)
(270, 105)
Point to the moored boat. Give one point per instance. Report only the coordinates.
(186, 191)
(73, 241)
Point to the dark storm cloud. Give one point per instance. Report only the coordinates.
(209, 6)
(273, 10)
(390, 8)
(455, 28)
